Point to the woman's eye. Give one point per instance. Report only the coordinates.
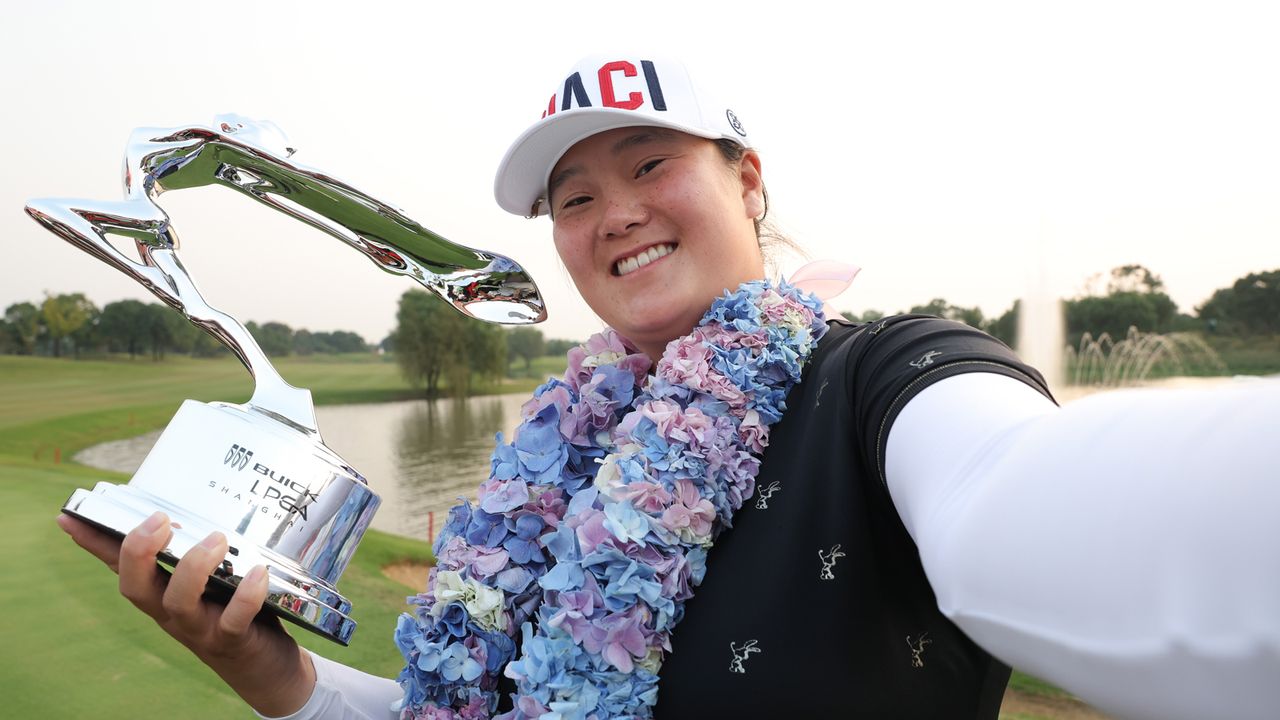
(573, 201)
(644, 169)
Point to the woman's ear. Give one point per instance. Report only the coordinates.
(752, 184)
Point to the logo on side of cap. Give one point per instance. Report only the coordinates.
(579, 93)
(735, 123)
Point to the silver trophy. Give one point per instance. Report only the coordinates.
(260, 472)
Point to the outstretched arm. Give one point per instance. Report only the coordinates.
(1125, 547)
(343, 693)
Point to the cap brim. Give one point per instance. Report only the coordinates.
(524, 170)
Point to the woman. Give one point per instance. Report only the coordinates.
(921, 504)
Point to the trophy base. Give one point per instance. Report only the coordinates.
(293, 594)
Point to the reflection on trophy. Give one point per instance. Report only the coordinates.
(260, 472)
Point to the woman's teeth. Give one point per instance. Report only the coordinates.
(635, 262)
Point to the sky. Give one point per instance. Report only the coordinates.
(974, 151)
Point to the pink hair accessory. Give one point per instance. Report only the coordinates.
(826, 279)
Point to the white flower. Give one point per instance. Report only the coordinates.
(483, 604)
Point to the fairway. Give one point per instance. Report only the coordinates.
(73, 646)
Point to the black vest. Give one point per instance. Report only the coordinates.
(815, 604)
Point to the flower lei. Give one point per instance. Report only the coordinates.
(594, 526)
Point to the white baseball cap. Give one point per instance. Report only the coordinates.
(600, 93)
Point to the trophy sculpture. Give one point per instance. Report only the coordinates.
(259, 472)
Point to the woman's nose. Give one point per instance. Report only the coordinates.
(622, 213)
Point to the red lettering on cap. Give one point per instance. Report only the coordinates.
(607, 98)
(551, 107)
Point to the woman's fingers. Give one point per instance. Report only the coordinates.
(245, 604)
(182, 598)
(101, 545)
(140, 578)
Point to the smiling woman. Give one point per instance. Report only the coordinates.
(652, 225)
(731, 506)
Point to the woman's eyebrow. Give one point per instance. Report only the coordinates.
(630, 141)
(560, 177)
(641, 138)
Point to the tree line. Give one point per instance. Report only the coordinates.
(438, 348)
(1134, 296)
(70, 325)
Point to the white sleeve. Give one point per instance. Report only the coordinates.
(1125, 547)
(344, 693)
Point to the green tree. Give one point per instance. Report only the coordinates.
(275, 338)
(122, 326)
(63, 315)
(434, 342)
(1134, 297)
(1251, 306)
(344, 341)
(1005, 327)
(23, 321)
(183, 334)
(1135, 279)
(558, 347)
(526, 343)
(943, 309)
(304, 342)
(483, 352)
(424, 338)
(159, 327)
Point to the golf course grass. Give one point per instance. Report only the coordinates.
(72, 646)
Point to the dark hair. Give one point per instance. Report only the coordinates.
(770, 239)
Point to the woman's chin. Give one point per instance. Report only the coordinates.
(657, 323)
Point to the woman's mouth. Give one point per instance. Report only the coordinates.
(628, 265)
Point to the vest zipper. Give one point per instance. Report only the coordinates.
(893, 410)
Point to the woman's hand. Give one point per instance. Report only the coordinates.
(256, 658)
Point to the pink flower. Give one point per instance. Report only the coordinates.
(688, 362)
(753, 433)
(558, 396)
(604, 348)
(455, 554)
(489, 561)
(576, 611)
(618, 639)
(645, 496)
(691, 516)
(591, 531)
(549, 505)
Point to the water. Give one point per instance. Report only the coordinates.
(420, 456)
(1107, 363)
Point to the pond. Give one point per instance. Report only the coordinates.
(420, 455)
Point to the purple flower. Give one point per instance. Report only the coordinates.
(499, 496)
(453, 662)
(609, 390)
(618, 639)
(514, 580)
(488, 561)
(504, 464)
(523, 544)
(539, 447)
(459, 516)
(455, 554)
(486, 529)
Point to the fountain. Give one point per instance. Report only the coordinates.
(1106, 363)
